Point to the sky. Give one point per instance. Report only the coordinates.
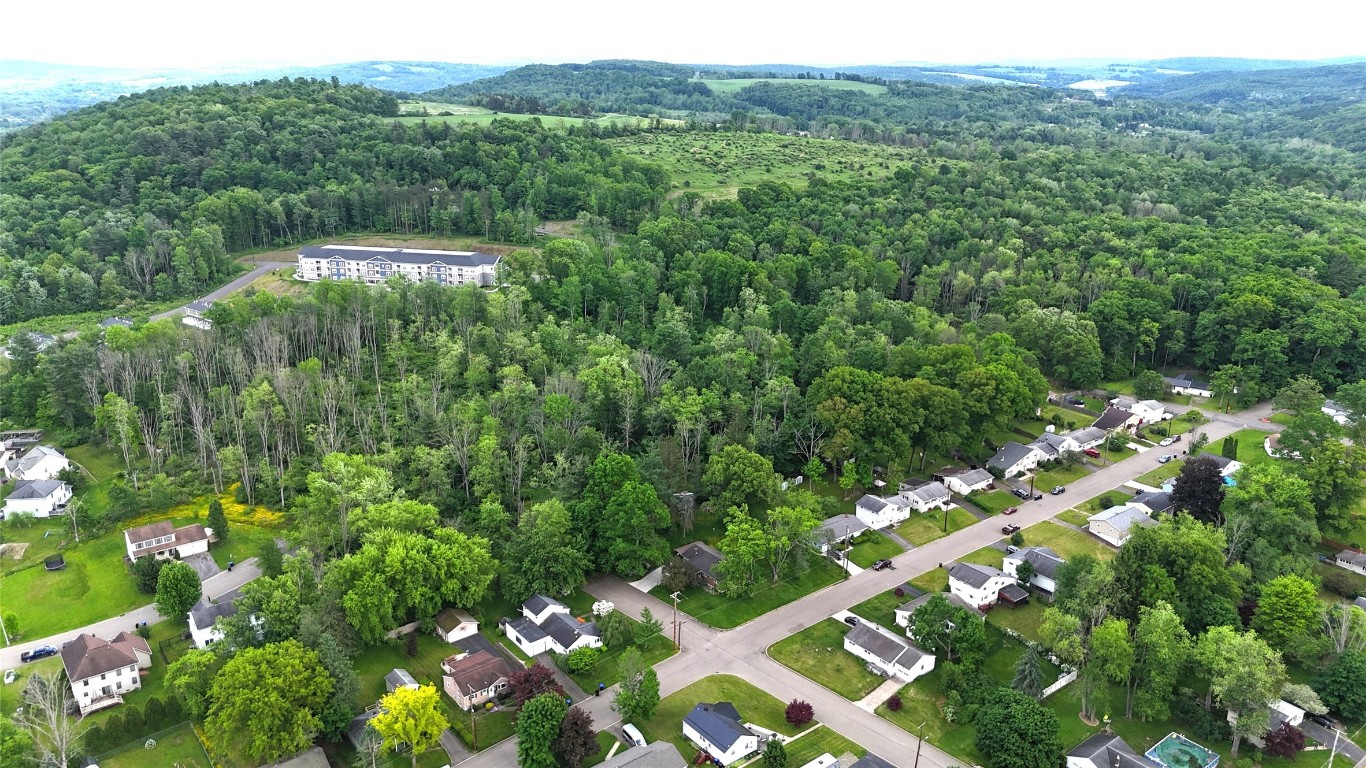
(177, 34)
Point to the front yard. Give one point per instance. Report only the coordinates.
(95, 585)
(727, 611)
(1164, 472)
(1045, 480)
(872, 547)
(1074, 516)
(817, 653)
(1065, 541)
(755, 706)
(921, 529)
(994, 502)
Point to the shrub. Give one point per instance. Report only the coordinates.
(412, 644)
(899, 592)
(799, 712)
(894, 703)
(582, 659)
(134, 725)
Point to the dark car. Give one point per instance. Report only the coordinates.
(851, 621)
(1323, 720)
(1021, 493)
(1011, 510)
(41, 652)
(1057, 489)
(1009, 528)
(1075, 400)
(1038, 497)
(1176, 438)
(883, 565)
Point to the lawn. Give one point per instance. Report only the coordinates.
(994, 502)
(872, 547)
(1024, 619)
(605, 743)
(1251, 447)
(725, 611)
(921, 529)
(817, 742)
(1046, 479)
(1074, 516)
(817, 653)
(1065, 541)
(44, 536)
(607, 671)
(755, 706)
(881, 608)
(731, 86)
(95, 585)
(177, 747)
(1163, 473)
(101, 463)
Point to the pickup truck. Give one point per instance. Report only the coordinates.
(41, 652)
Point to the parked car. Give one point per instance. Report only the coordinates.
(851, 621)
(41, 652)
(1074, 400)
(1008, 529)
(1323, 720)
(1011, 549)
(633, 735)
(1011, 510)
(1058, 489)
(1166, 457)
(1038, 497)
(883, 565)
(1022, 493)
(1176, 438)
(1092, 452)
(1166, 441)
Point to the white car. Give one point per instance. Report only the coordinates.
(1166, 441)
(633, 735)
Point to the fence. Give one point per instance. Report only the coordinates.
(1061, 683)
(159, 738)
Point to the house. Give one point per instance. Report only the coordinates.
(978, 585)
(1045, 562)
(1337, 412)
(313, 757)
(923, 498)
(702, 558)
(842, 528)
(1106, 750)
(1155, 502)
(1013, 459)
(904, 613)
(454, 624)
(1351, 560)
(399, 678)
(1148, 411)
(1053, 445)
(660, 754)
(965, 481)
(1227, 466)
(359, 729)
(718, 729)
(101, 671)
(204, 616)
(1272, 446)
(1185, 384)
(41, 343)
(1116, 418)
(194, 314)
(162, 540)
(879, 513)
(40, 498)
(373, 265)
(1115, 524)
(1086, 437)
(547, 626)
(474, 678)
(19, 440)
(885, 651)
(112, 322)
(40, 462)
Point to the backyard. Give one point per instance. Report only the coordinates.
(727, 611)
(818, 654)
(1065, 541)
(177, 746)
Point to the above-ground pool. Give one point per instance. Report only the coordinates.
(1177, 751)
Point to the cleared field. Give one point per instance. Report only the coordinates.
(921, 529)
(722, 163)
(731, 86)
(817, 653)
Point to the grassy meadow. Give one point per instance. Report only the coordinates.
(732, 86)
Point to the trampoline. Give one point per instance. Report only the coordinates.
(54, 562)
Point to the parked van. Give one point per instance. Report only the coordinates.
(632, 735)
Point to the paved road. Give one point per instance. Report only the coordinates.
(235, 285)
(214, 586)
(743, 651)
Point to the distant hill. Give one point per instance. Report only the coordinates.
(1219, 64)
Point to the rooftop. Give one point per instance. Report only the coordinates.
(841, 525)
(699, 555)
(35, 489)
(659, 754)
(450, 618)
(399, 255)
(930, 492)
(952, 598)
(206, 612)
(1044, 560)
(884, 645)
(1009, 455)
(478, 671)
(1112, 418)
(718, 723)
(88, 655)
(537, 603)
(1123, 517)
(973, 574)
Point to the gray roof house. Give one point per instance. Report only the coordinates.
(659, 754)
(887, 652)
(538, 603)
(903, 613)
(359, 725)
(1086, 437)
(1013, 458)
(1044, 561)
(1105, 750)
(702, 557)
(719, 729)
(973, 574)
(1113, 525)
(35, 489)
(1052, 444)
(837, 528)
(110, 322)
(1226, 465)
(1155, 501)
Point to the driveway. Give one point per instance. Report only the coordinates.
(1325, 737)
(203, 565)
(235, 285)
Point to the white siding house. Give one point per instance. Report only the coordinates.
(891, 654)
(40, 498)
(879, 513)
(1013, 459)
(1352, 561)
(546, 626)
(1045, 562)
(1115, 524)
(163, 541)
(925, 497)
(1185, 384)
(101, 671)
(41, 462)
(977, 585)
(718, 729)
(967, 481)
(374, 265)
(454, 624)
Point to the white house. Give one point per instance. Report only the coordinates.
(40, 462)
(881, 513)
(40, 498)
(194, 314)
(373, 265)
(400, 678)
(474, 678)
(101, 671)
(204, 616)
(977, 585)
(965, 481)
(1148, 411)
(904, 613)
(1227, 466)
(840, 528)
(1045, 562)
(1086, 437)
(1113, 418)
(1272, 446)
(718, 729)
(547, 626)
(887, 652)
(1185, 384)
(1336, 411)
(163, 541)
(1115, 524)
(1352, 561)
(1013, 459)
(1053, 445)
(1106, 750)
(454, 624)
(925, 497)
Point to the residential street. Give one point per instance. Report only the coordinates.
(743, 651)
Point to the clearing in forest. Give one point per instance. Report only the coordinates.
(731, 86)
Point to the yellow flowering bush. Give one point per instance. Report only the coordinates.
(241, 514)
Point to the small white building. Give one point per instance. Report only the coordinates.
(925, 497)
(1115, 525)
(40, 462)
(1086, 437)
(1148, 411)
(1045, 562)
(195, 316)
(205, 615)
(101, 671)
(546, 626)
(162, 540)
(719, 730)
(878, 513)
(1335, 411)
(965, 481)
(1014, 459)
(977, 585)
(893, 655)
(1053, 445)
(454, 624)
(1227, 466)
(40, 498)
(1185, 384)
(1351, 560)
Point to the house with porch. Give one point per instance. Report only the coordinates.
(1044, 561)
(39, 462)
(701, 557)
(40, 498)
(719, 730)
(163, 540)
(892, 655)
(474, 678)
(924, 497)
(101, 671)
(1014, 459)
(1115, 525)
(978, 585)
(1186, 384)
(547, 626)
(964, 481)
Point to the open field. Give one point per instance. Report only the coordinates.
(817, 653)
(731, 86)
(718, 164)
(725, 611)
(1065, 541)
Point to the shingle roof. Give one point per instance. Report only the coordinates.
(1123, 517)
(887, 647)
(478, 671)
(199, 305)
(1222, 461)
(566, 629)
(841, 525)
(1109, 751)
(1044, 560)
(1009, 455)
(150, 531)
(110, 322)
(973, 574)
(871, 760)
(699, 555)
(1355, 558)
(1187, 381)
(400, 255)
(399, 678)
(1013, 593)
(658, 754)
(952, 598)
(1112, 418)
(528, 629)
(930, 492)
(36, 489)
(87, 655)
(1086, 435)
(719, 728)
(1152, 405)
(974, 476)
(538, 603)
(310, 758)
(204, 612)
(1050, 443)
(450, 618)
(871, 503)
(31, 458)
(1157, 501)
(355, 730)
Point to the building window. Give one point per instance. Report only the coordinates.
(102, 675)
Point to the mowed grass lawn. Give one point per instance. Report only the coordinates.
(993, 503)
(605, 743)
(921, 529)
(818, 654)
(872, 547)
(1164, 472)
(816, 742)
(180, 747)
(1044, 481)
(755, 706)
(1074, 516)
(727, 611)
(1065, 541)
(95, 585)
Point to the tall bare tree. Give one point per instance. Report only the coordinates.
(47, 717)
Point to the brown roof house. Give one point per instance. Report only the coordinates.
(101, 671)
(163, 540)
(474, 678)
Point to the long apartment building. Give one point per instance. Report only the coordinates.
(373, 265)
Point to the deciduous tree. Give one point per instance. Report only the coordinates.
(1015, 731)
(412, 717)
(268, 700)
(576, 741)
(538, 725)
(178, 589)
(638, 693)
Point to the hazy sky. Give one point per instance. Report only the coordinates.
(174, 33)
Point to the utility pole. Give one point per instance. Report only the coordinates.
(678, 636)
(919, 739)
(844, 555)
